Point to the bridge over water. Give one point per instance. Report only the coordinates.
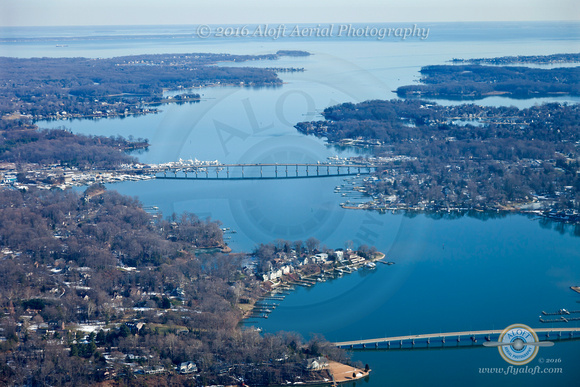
(452, 339)
(260, 171)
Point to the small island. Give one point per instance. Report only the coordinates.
(297, 53)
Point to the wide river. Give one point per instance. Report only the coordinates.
(452, 273)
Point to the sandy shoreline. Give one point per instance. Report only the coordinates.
(344, 373)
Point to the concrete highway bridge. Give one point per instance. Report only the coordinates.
(453, 339)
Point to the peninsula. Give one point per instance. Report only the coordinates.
(57, 88)
(92, 281)
(469, 157)
(463, 157)
(284, 265)
(97, 289)
(524, 59)
(476, 81)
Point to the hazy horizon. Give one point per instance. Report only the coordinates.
(41, 13)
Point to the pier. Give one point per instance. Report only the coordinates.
(558, 320)
(452, 339)
(560, 312)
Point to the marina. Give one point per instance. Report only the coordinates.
(282, 288)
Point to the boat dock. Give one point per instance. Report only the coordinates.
(560, 312)
(561, 319)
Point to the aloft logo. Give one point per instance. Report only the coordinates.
(518, 344)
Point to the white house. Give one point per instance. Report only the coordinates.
(187, 367)
(322, 257)
(316, 363)
(272, 275)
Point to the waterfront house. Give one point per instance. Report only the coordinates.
(316, 363)
(272, 275)
(354, 259)
(322, 257)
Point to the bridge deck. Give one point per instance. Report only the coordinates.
(281, 177)
(258, 171)
(444, 335)
(239, 165)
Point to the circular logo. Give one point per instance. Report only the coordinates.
(518, 353)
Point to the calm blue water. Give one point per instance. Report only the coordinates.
(450, 274)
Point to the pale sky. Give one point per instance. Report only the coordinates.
(187, 12)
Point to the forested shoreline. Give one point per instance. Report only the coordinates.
(72, 260)
(94, 288)
(54, 88)
(521, 59)
(141, 282)
(466, 156)
(23, 144)
(476, 81)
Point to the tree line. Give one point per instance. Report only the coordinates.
(23, 143)
(466, 156)
(479, 81)
(42, 87)
(70, 257)
(536, 59)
